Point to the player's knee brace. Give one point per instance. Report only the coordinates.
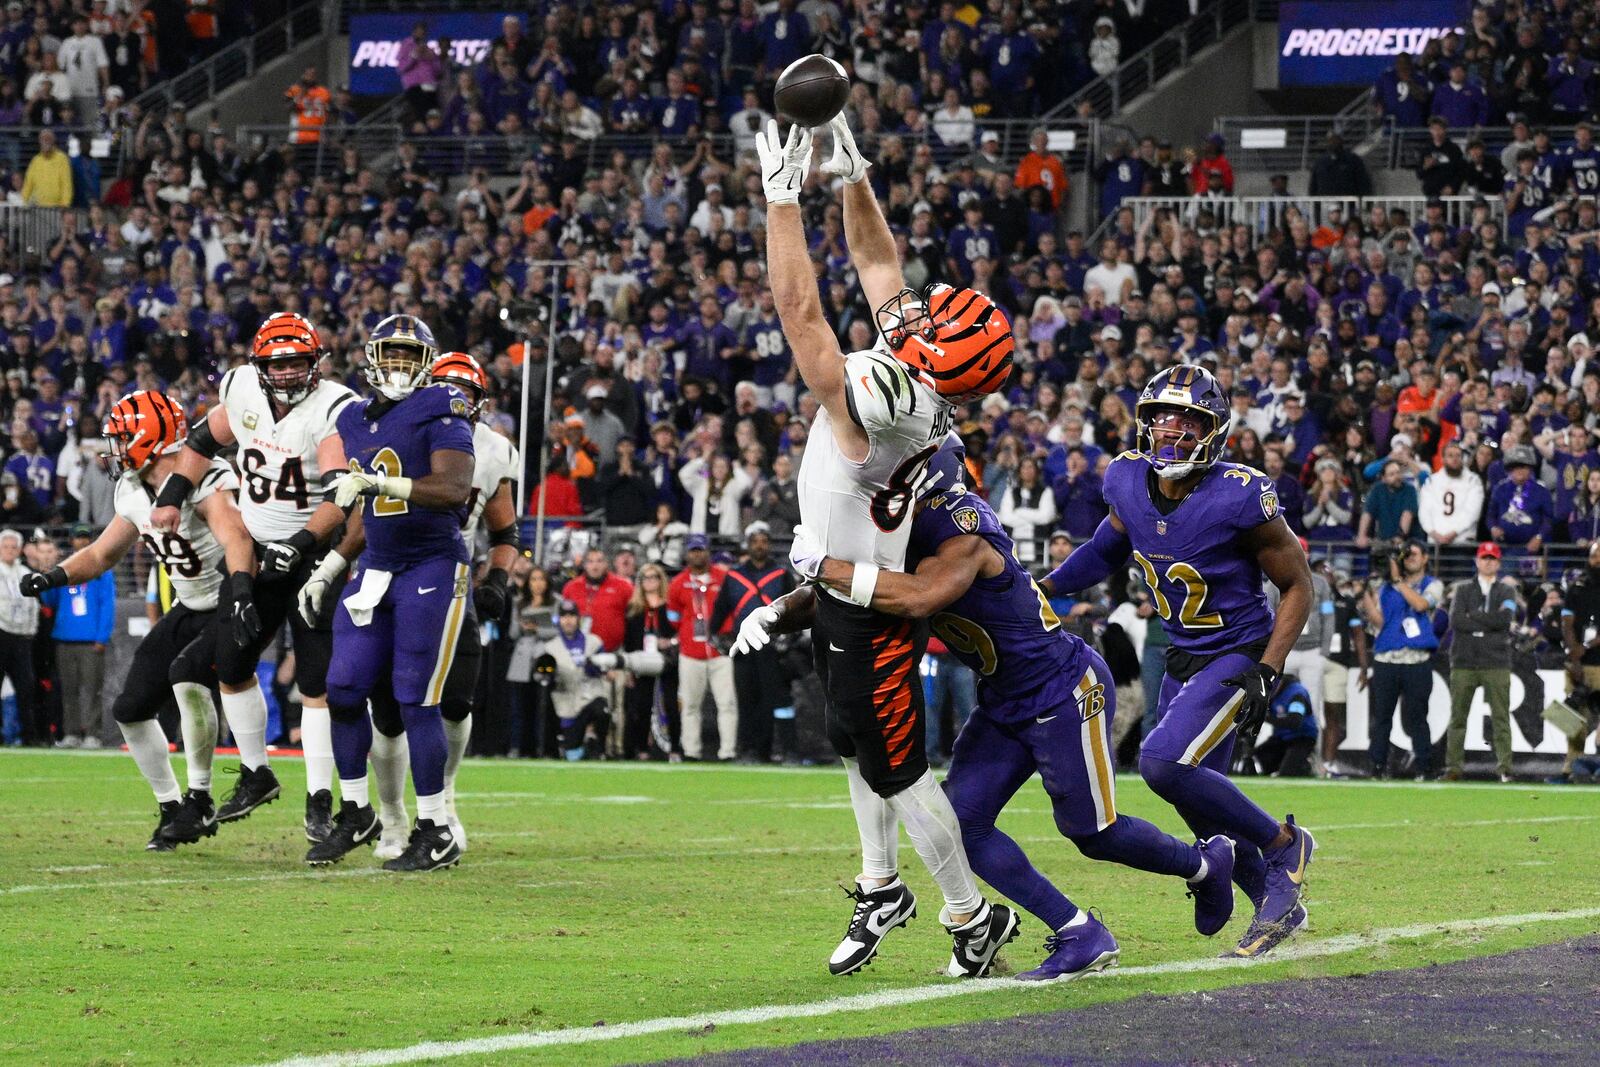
(454, 709)
(347, 707)
(386, 718)
(1164, 776)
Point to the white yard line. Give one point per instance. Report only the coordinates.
(892, 998)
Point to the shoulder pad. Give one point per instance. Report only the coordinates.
(878, 390)
(1254, 497)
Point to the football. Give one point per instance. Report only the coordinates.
(811, 90)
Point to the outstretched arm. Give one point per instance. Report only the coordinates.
(938, 582)
(1092, 562)
(872, 249)
(96, 558)
(796, 611)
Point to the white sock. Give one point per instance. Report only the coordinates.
(878, 825)
(931, 823)
(316, 741)
(1078, 919)
(147, 744)
(391, 759)
(246, 713)
(1200, 875)
(432, 808)
(456, 736)
(198, 716)
(354, 791)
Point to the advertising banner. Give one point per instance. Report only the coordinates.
(375, 44)
(1351, 42)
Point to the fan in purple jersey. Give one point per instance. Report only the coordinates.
(410, 455)
(1204, 532)
(1045, 706)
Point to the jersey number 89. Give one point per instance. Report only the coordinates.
(892, 503)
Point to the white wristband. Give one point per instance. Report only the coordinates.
(864, 581)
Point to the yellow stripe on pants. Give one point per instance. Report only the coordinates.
(452, 633)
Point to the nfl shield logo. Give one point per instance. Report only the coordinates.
(1161, 527)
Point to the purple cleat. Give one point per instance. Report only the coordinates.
(1213, 894)
(1262, 938)
(1286, 874)
(1074, 952)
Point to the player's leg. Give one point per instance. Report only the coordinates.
(391, 762)
(424, 651)
(361, 655)
(243, 703)
(460, 692)
(144, 691)
(874, 689)
(313, 645)
(1181, 764)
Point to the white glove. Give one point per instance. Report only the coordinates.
(783, 163)
(360, 483)
(754, 632)
(604, 660)
(806, 553)
(308, 602)
(847, 162)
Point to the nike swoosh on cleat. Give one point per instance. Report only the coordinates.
(425, 592)
(438, 854)
(363, 835)
(833, 647)
(1298, 874)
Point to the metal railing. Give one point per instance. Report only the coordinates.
(326, 152)
(1404, 145)
(1262, 214)
(1304, 136)
(30, 229)
(1109, 94)
(236, 62)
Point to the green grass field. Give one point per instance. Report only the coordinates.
(610, 894)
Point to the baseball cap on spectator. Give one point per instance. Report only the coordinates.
(1400, 439)
(989, 135)
(1111, 332)
(1060, 535)
(595, 391)
(1578, 340)
(757, 527)
(82, 530)
(573, 420)
(1520, 456)
(39, 535)
(1491, 289)
(1489, 548)
(696, 541)
(567, 607)
(1328, 463)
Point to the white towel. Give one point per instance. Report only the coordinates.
(374, 583)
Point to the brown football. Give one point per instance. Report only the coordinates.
(811, 90)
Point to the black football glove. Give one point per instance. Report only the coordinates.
(278, 558)
(34, 583)
(490, 596)
(1257, 682)
(242, 615)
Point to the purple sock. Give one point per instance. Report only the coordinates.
(1001, 862)
(1213, 796)
(425, 734)
(1135, 843)
(352, 740)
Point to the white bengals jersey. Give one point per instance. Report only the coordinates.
(494, 460)
(861, 512)
(278, 474)
(191, 555)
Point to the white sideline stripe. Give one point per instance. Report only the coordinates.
(710, 853)
(893, 998)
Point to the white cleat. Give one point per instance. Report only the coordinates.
(457, 831)
(396, 835)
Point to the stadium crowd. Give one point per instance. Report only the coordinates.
(1399, 378)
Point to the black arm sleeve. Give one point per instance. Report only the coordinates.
(202, 441)
(174, 491)
(507, 536)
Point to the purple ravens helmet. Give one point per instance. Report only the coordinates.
(400, 354)
(947, 469)
(1189, 389)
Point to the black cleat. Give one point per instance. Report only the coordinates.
(980, 940)
(319, 816)
(255, 788)
(432, 848)
(876, 912)
(353, 827)
(168, 813)
(196, 818)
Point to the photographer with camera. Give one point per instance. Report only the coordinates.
(1399, 610)
(1580, 633)
(574, 667)
(1482, 612)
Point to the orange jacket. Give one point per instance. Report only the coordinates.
(310, 112)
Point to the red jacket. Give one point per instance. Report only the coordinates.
(692, 597)
(562, 500)
(604, 605)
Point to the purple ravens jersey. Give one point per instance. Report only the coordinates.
(1001, 627)
(1208, 591)
(400, 442)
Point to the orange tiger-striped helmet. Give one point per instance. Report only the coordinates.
(142, 426)
(955, 340)
(286, 353)
(463, 372)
